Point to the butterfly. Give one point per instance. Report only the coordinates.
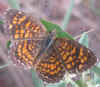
(34, 47)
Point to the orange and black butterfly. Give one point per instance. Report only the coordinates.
(51, 57)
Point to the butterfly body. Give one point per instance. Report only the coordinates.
(51, 57)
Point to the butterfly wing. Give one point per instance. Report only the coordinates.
(21, 25)
(75, 57)
(63, 55)
(24, 52)
(50, 68)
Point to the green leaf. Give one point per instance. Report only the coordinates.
(59, 32)
(81, 83)
(96, 69)
(36, 81)
(8, 44)
(84, 40)
(1, 22)
(96, 79)
(60, 84)
(14, 4)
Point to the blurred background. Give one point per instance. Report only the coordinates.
(85, 17)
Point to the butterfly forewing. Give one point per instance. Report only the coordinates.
(21, 25)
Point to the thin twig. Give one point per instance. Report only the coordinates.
(78, 36)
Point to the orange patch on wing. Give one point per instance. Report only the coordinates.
(68, 66)
(21, 19)
(69, 59)
(27, 24)
(16, 36)
(73, 51)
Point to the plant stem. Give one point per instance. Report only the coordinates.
(67, 15)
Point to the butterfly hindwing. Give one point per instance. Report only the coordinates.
(50, 67)
(75, 56)
(25, 52)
